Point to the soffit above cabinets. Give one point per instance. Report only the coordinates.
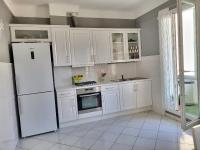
(128, 9)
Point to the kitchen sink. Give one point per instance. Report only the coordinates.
(128, 79)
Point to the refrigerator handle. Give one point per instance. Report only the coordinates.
(32, 55)
(19, 106)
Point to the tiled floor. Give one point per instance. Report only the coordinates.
(142, 131)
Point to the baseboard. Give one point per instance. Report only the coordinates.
(10, 144)
(173, 116)
(102, 117)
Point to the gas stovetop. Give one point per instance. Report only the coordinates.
(86, 83)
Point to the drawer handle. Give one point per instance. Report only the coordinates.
(110, 88)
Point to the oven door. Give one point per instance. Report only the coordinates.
(89, 101)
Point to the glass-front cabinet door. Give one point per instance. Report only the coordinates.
(118, 46)
(133, 45)
(126, 45)
(189, 61)
(30, 33)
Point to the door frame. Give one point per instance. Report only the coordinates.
(184, 123)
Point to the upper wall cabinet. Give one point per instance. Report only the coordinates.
(125, 45)
(101, 45)
(81, 47)
(30, 33)
(133, 45)
(118, 46)
(61, 46)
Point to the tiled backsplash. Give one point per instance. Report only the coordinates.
(63, 75)
(149, 67)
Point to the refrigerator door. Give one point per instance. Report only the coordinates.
(33, 68)
(37, 113)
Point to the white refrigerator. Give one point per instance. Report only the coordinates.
(35, 88)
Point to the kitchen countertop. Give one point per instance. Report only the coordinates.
(71, 87)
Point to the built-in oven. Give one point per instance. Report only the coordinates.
(89, 99)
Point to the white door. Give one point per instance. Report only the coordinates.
(102, 44)
(37, 113)
(33, 68)
(189, 61)
(81, 46)
(128, 96)
(67, 109)
(144, 94)
(61, 48)
(110, 100)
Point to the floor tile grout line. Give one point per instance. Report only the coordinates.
(128, 119)
(157, 133)
(138, 134)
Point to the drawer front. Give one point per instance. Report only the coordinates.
(66, 93)
(109, 88)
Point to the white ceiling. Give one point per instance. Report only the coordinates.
(122, 5)
(105, 8)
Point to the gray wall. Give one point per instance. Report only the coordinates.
(149, 29)
(108, 23)
(94, 22)
(5, 16)
(80, 22)
(30, 20)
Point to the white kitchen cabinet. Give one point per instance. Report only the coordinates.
(67, 106)
(30, 33)
(144, 93)
(101, 44)
(110, 99)
(125, 45)
(118, 46)
(81, 47)
(133, 45)
(128, 96)
(61, 46)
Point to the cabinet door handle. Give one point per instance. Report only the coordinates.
(92, 58)
(110, 88)
(68, 59)
(135, 87)
(74, 109)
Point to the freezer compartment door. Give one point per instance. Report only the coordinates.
(37, 113)
(33, 67)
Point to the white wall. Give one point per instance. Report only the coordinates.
(5, 18)
(150, 67)
(8, 121)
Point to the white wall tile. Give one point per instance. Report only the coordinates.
(63, 75)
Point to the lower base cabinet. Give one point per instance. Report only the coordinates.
(144, 94)
(135, 94)
(115, 98)
(128, 96)
(67, 107)
(110, 99)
